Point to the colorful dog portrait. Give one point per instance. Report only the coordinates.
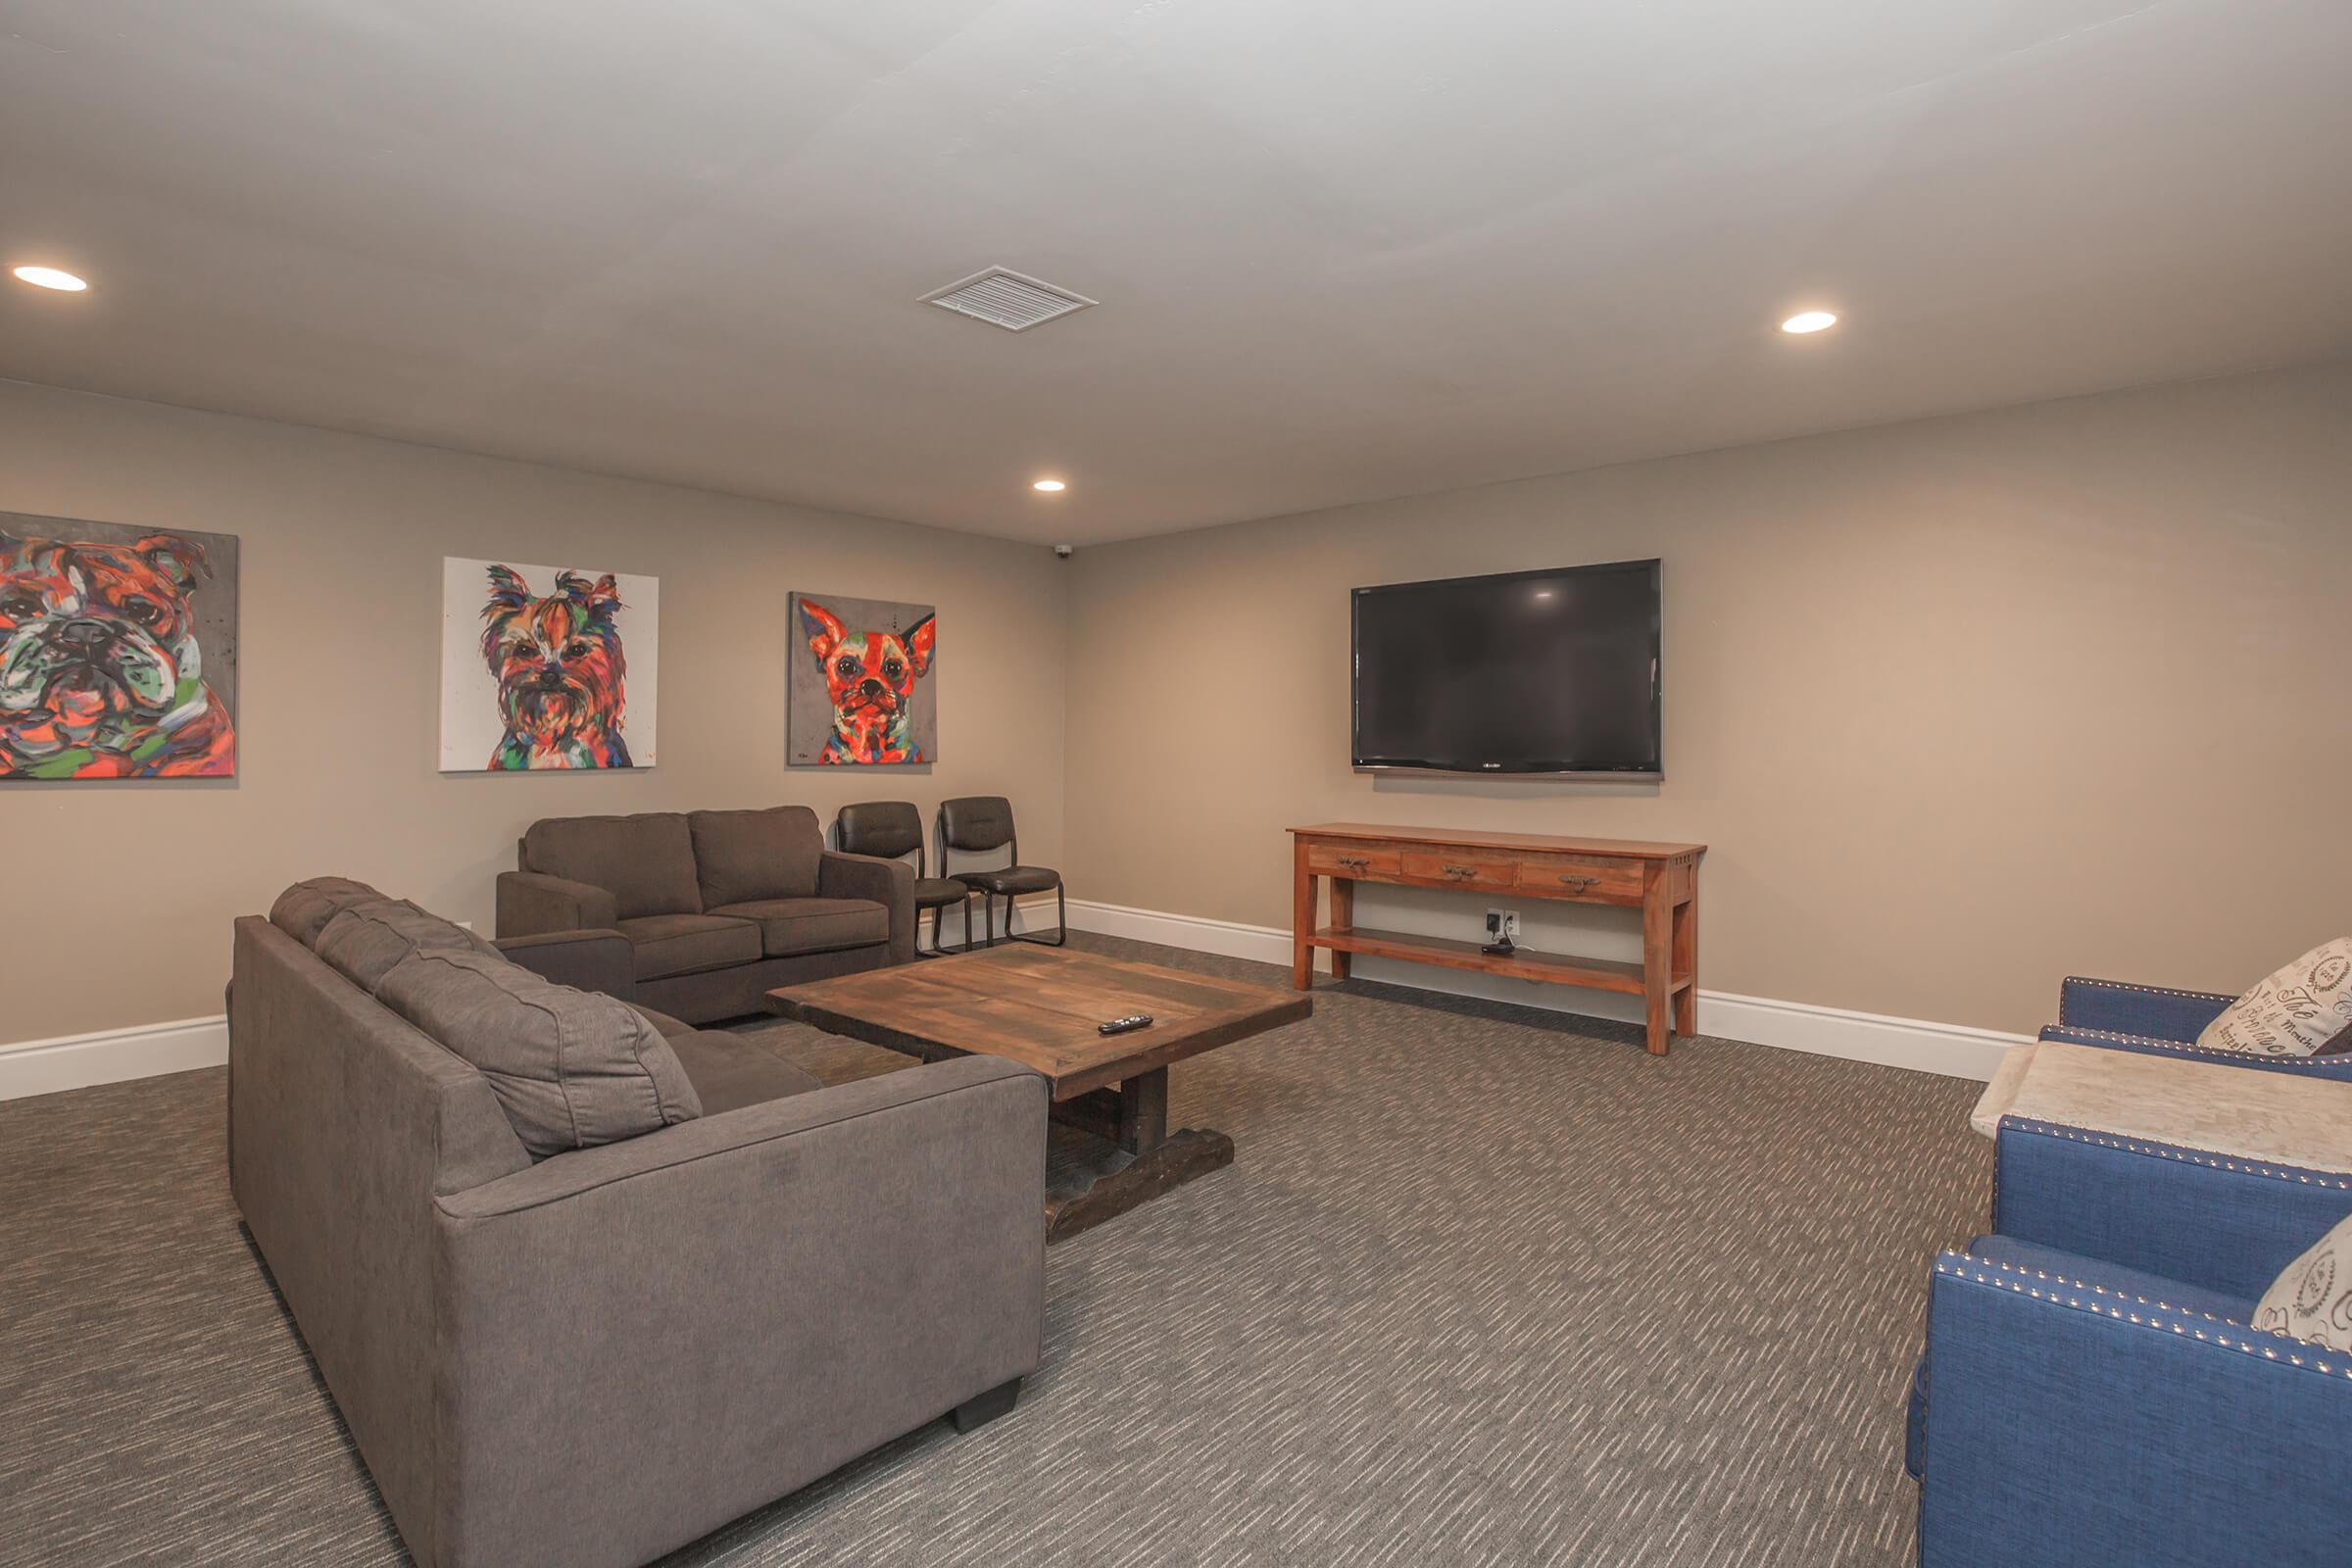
(118, 651)
(859, 694)
(546, 667)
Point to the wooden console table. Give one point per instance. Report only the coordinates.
(1661, 880)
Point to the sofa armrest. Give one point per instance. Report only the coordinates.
(2153, 1012)
(668, 1332)
(2206, 1219)
(586, 960)
(530, 903)
(2337, 1067)
(888, 883)
(2068, 1422)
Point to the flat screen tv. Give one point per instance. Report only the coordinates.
(1528, 672)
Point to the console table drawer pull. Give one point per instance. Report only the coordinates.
(1458, 872)
(1346, 861)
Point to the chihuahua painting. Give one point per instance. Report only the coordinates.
(869, 657)
(555, 650)
(117, 652)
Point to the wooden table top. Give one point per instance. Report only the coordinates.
(1040, 1007)
(1473, 839)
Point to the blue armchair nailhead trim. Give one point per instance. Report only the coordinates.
(2071, 1292)
(2178, 1047)
(2191, 1156)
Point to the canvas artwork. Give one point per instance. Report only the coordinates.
(118, 651)
(860, 691)
(547, 667)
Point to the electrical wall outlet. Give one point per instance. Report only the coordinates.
(1502, 925)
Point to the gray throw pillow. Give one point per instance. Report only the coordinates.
(570, 1068)
(366, 940)
(303, 909)
(2313, 1299)
(2303, 1009)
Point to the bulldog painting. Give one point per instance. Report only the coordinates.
(858, 694)
(118, 651)
(545, 667)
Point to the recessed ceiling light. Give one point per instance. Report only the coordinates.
(1809, 321)
(1048, 485)
(51, 277)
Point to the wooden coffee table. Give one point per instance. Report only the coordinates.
(1040, 1007)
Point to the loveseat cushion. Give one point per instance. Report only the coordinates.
(303, 909)
(571, 1069)
(663, 945)
(645, 862)
(2303, 1009)
(791, 926)
(744, 855)
(366, 940)
(730, 1072)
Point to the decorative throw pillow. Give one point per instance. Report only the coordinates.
(2313, 1299)
(2303, 1009)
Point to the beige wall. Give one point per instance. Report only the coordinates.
(1961, 705)
(118, 896)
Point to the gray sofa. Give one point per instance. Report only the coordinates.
(701, 914)
(595, 1355)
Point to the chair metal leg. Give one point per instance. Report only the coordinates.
(1062, 920)
(988, 902)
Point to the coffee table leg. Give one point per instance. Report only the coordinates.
(1161, 1161)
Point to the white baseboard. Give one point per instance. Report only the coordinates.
(110, 1055)
(1955, 1050)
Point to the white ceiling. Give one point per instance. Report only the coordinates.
(1345, 249)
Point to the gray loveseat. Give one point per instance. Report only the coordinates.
(594, 1356)
(701, 914)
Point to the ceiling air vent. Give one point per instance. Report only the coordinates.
(1008, 300)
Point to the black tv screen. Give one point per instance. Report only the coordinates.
(1531, 672)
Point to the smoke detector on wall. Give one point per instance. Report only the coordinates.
(1007, 299)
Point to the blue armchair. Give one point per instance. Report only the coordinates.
(2087, 1413)
(2098, 1396)
(2166, 1023)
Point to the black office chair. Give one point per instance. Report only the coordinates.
(894, 830)
(981, 824)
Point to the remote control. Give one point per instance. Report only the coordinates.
(1120, 1026)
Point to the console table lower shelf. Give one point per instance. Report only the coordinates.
(1661, 880)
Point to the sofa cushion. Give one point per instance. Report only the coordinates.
(303, 909)
(2303, 1009)
(791, 926)
(645, 862)
(571, 1069)
(2313, 1298)
(667, 1027)
(744, 855)
(663, 945)
(366, 940)
(730, 1072)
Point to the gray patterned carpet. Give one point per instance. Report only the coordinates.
(1484, 1286)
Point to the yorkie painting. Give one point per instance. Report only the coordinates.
(861, 693)
(546, 667)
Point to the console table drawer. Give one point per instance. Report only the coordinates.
(1347, 860)
(1461, 869)
(1567, 876)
